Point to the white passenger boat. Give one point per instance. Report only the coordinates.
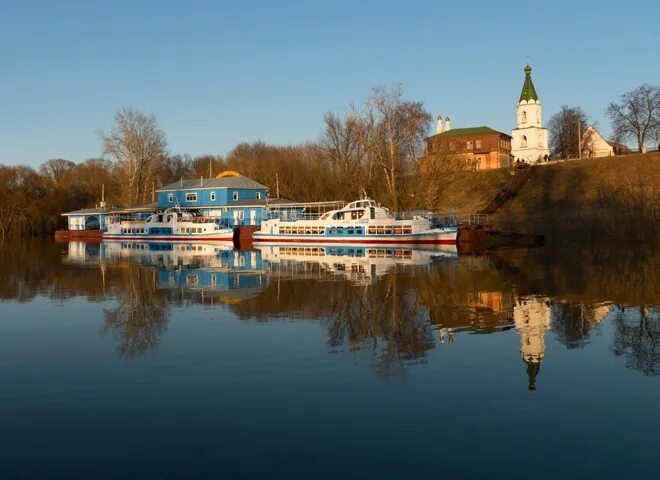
(359, 222)
(172, 225)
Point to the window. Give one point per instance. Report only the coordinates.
(241, 213)
(170, 197)
(523, 142)
(469, 144)
(235, 196)
(477, 144)
(524, 117)
(191, 197)
(212, 196)
(258, 195)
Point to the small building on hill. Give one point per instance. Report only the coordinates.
(595, 145)
(476, 148)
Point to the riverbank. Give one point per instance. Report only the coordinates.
(588, 200)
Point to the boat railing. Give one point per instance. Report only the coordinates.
(445, 218)
(291, 215)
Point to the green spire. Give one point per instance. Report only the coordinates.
(528, 91)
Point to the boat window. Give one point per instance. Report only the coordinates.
(350, 231)
(407, 229)
(380, 230)
(358, 230)
(388, 230)
(398, 230)
(372, 231)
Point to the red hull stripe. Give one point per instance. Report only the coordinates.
(171, 239)
(328, 241)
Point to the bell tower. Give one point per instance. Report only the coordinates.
(530, 139)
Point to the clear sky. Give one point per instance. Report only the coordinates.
(218, 73)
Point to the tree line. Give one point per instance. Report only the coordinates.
(370, 148)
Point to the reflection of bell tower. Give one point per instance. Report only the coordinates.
(531, 316)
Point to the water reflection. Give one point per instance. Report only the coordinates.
(392, 306)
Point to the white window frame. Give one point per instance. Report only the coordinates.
(241, 215)
(258, 195)
(191, 196)
(212, 196)
(170, 197)
(234, 196)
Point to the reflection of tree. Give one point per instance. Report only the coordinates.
(140, 317)
(636, 336)
(570, 325)
(382, 319)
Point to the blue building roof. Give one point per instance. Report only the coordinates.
(224, 182)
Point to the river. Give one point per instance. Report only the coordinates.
(130, 360)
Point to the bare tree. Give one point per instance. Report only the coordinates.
(393, 133)
(563, 129)
(57, 169)
(637, 115)
(344, 152)
(136, 143)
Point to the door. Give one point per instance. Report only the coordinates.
(235, 217)
(253, 217)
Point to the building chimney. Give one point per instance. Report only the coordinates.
(447, 124)
(439, 128)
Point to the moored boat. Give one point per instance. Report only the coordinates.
(171, 225)
(359, 222)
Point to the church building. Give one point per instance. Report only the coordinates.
(530, 139)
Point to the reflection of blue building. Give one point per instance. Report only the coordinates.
(230, 269)
(230, 198)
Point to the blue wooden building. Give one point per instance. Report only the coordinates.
(229, 198)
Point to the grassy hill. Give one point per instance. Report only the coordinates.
(616, 198)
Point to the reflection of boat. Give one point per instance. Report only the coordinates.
(171, 225)
(166, 254)
(369, 261)
(360, 222)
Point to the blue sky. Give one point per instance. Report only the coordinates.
(219, 73)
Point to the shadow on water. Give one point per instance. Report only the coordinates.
(394, 306)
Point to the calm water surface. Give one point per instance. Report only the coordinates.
(130, 360)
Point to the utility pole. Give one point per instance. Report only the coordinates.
(210, 168)
(277, 185)
(579, 140)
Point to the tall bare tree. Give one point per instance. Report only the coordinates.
(136, 143)
(393, 133)
(563, 129)
(344, 152)
(637, 115)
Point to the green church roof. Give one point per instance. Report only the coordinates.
(528, 91)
